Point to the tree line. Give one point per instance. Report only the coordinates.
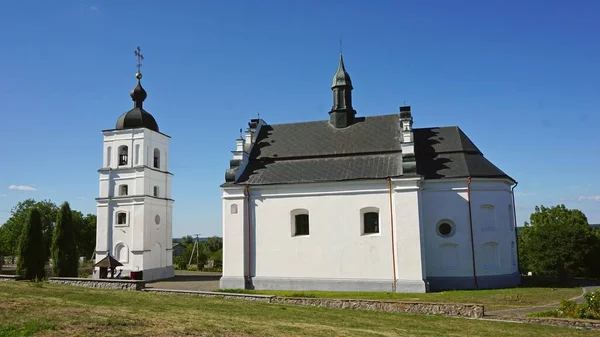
(559, 242)
(41, 231)
(207, 250)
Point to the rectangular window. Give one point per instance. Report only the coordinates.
(371, 221)
(121, 218)
(156, 191)
(301, 224)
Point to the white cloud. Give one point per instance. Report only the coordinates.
(21, 188)
(589, 197)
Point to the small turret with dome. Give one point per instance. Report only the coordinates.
(137, 117)
(342, 113)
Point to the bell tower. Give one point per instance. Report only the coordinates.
(134, 206)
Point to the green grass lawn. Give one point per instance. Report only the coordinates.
(58, 310)
(496, 299)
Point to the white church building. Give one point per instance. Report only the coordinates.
(362, 204)
(134, 206)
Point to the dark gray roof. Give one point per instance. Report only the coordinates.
(137, 118)
(368, 149)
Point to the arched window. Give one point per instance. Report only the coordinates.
(156, 158)
(123, 189)
(300, 222)
(121, 218)
(369, 220)
(488, 218)
(234, 208)
(490, 255)
(123, 150)
(448, 256)
(156, 191)
(121, 253)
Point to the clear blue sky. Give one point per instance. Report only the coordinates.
(521, 78)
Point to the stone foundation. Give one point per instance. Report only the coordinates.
(10, 277)
(99, 283)
(446, 309)
(229, 296)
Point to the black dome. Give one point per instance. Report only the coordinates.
(137, 118)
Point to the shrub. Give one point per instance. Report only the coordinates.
(590, 309)
(32, 257)
(64, 247)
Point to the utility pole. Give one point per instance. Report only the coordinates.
(195, 248)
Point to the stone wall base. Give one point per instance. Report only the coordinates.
(317, 284)
(99, 283)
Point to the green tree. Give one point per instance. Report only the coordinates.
(556, 242)
(85, 233)
(31, 250)
(12, 229)
(213, 243)
(64, 249)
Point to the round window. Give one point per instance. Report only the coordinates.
(445, 228)
(157, 219)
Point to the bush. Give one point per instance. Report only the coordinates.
(64, 247)
(32, 257)
(590, 309)
(192, 267)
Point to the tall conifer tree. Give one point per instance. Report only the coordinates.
(31, 250)
(64, 248)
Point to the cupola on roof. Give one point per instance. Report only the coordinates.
(137, 117)
(341, 77)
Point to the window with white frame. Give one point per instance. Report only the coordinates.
(123, 189)
(123, 155)
(156, 158)
(156, 191)
(369, 220)
(121, 218)
(300, 222)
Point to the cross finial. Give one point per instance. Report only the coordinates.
(140, 57)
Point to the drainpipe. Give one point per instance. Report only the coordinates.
(247, 194)
(514, 224)
(392, 235)
(471, 226)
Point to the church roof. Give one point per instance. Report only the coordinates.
(368, 149)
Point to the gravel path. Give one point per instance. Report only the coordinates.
(185, 280)
(521, 312)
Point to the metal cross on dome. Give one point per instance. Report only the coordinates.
(140, 57)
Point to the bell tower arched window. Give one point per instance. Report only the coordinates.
(123, 158)
(156, 158)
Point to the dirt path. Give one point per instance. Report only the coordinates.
(521, 312)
